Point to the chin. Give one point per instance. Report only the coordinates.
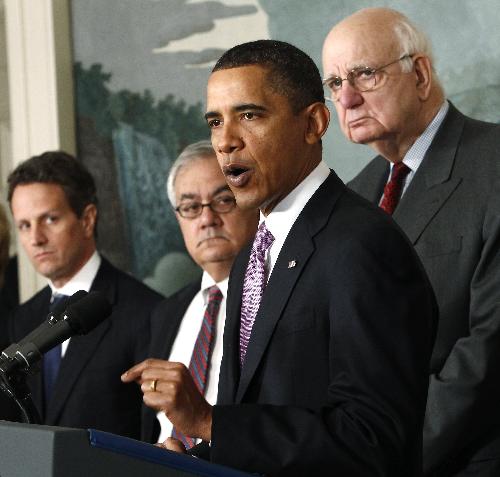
(247, 201)
(219, 255)
(47, 272)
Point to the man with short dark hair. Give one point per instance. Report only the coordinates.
(214, 231)
(438, 175)
(54, 204)
(330, 316)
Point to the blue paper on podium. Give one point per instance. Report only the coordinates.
(156, 455)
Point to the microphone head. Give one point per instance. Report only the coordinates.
(56, 314)
(84, 315)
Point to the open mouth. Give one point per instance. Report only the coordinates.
(237, 175)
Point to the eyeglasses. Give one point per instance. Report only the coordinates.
(219, 205)
(361, 78)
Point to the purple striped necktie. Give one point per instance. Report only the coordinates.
(202, 351)
(254, 284)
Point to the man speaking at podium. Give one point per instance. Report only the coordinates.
(54, 205)
(330, 317)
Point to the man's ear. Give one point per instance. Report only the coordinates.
(318, 118)
(423, 76)
(89, 217)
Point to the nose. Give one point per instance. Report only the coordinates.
(349, 98)
(37, 236)
(209, 218)
(227, 139)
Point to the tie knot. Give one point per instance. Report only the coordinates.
(399, 171)
(263, 238)
(214, 294)
(56, 300)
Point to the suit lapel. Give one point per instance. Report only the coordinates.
(230, 367)
(433, 183)
(41, 308)
(81, 349)
(298, 247)
(371, 187)
(164, 327)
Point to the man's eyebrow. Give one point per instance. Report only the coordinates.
(187, 196)
(211, 114)
(222, 188)
(239, 108)
(249, 106)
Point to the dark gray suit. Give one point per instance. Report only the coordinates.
(451, 213)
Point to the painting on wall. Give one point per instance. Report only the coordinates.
(141, 68)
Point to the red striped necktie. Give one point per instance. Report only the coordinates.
(202, 352)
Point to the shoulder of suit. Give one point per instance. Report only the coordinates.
(183, 296)
(130, 288)
(38, 300)
(376, 167)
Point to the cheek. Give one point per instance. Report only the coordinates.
(65, 237)
(24, 238)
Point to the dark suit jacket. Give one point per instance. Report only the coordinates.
(451, 213)
(335, 376)
(165, 321)
(9, 299)
(88, 392)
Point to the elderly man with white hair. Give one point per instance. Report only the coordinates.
(438, 174)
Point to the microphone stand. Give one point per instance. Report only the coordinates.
(16, 388)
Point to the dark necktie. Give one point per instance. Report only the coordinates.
(253, 286)
(393, 189)
(52, 358)
(202, 352)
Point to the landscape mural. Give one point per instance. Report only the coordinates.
(140, 69)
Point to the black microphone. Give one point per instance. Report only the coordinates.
(52, 318)
(79, 318)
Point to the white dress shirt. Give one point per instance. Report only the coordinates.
(283, 216)
(81, 281)
(182, 349)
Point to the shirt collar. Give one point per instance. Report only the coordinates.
(207, 281)
(415, 155)
(82, 280)
(280, 220)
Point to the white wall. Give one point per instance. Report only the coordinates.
(41, 92)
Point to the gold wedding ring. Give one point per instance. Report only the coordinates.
(153, 384)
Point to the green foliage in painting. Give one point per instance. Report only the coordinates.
(172, 122)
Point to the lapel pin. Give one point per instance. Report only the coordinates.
(292, 263)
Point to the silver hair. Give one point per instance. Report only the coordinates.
(411, 40)
(193, 152)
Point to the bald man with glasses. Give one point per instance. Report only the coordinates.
(438, 174)
(187, 327)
